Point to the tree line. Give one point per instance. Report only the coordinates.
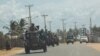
(14, 29)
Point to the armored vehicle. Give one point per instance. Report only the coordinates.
(33, 40)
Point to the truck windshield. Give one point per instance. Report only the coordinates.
(69, 37)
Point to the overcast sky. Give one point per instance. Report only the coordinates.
(71, 10)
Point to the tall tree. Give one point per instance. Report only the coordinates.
(1, 34)
(1, 40)
(13, 27)
(22, 23)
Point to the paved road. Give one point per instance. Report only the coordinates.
(65, 50)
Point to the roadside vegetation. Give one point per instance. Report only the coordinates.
(12, 38)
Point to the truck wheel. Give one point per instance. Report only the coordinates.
(80, 42)
(45, 48)
(27, 51)
(67, 43)
(86, 42)
(72, 42)
(57, 44)
(53, 44)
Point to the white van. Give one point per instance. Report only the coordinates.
(83, 39)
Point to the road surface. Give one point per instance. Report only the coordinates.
(65, 50)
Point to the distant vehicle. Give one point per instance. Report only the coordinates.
(83, 39)
(56, 40)
(50, 39)
(70, 39)
(78, 38)
(33, 42)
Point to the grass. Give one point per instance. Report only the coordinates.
(95, 46)
(10, 52)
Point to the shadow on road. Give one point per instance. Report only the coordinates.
(31, 53)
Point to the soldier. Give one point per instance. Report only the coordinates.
(37, 28)
(32, 27)
(42, 36)
(56, 39)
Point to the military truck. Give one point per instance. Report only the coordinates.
(50, 39)
(70, 38)
(32, 41)
(56, 40)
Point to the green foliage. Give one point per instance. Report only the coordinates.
(22, 23)
(2, 41)
(1, 34)
(96, 29)
(15, 27)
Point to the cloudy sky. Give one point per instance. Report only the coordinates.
(72, 11)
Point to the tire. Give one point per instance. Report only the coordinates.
(45, 48)
(80, 42)
(27, 51)
(53, 44)
(67, 43)
(86, 42)
(72, 42)
(57, 44)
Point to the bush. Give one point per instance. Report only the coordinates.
(2, 43)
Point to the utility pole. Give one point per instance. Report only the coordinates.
(50, 25)
(90, 26)
(75, 25)
(63, 24)
(90, 39)
(29, 7)
(75, 30)
(63, 28)
(83, 30)
(45, 27)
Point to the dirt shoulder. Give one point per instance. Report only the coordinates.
(95, 46)
(11, 52)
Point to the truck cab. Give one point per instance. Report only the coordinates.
(70, 39)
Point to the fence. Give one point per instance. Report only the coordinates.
(2, 43)
(14, 43)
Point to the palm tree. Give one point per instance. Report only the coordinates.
(12, 28)
(22, 23)
(1, 40)
(13, 25)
